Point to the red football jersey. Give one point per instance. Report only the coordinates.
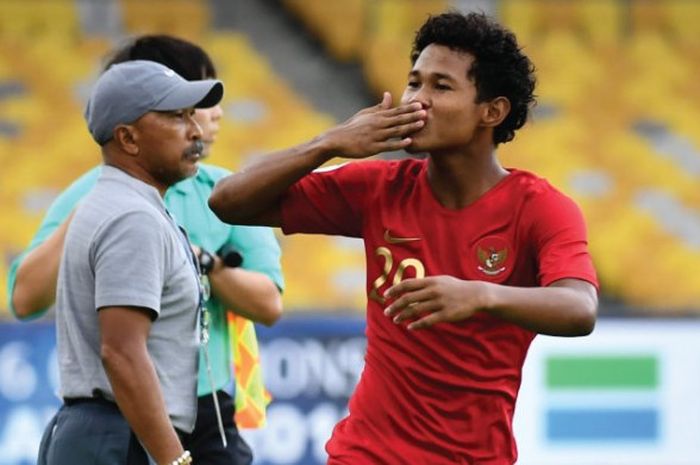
(443, 395)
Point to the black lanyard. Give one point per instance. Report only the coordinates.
(204, 290)
(202, 282)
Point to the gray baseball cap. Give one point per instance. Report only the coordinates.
(129, 90)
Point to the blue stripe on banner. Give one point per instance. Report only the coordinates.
(311, 325)
(602, 424)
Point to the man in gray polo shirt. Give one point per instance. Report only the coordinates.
(128, 295)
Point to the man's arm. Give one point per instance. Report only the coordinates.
(31, 284)
(567, 307)
(251, 294)
(251, 196)
(36, 276)
(123, 335)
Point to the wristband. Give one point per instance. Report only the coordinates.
(230, 256)
(184, 459)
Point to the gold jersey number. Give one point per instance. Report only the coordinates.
(405, 264)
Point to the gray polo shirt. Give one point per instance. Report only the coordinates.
(123, 249)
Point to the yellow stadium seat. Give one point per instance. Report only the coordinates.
(39, 18)
(683, 18)
(521, 16)
(340, 26)
(602, 21)
(184, 18)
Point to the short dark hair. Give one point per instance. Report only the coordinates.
(500, 67)
(185, 58)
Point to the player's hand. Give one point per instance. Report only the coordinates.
(376, 129)
(427, 301)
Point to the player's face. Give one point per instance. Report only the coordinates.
(208, 120)
(439, 81)
(169, 145)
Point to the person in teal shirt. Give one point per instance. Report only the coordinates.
(252, 289)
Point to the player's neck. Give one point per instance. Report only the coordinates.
(458, 180)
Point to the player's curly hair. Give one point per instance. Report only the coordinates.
(500, 67)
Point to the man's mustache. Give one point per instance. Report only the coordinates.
(197, 148)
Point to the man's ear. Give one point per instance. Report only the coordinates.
(125, 136)
(495, 111)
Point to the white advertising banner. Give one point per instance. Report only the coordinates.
(629, 394)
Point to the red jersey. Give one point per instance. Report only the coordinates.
(446, 394)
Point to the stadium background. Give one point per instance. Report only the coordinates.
(617, 128)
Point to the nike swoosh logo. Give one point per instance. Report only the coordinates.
(398, 240)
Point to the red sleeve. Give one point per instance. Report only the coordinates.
(328, 200)
(559, 234)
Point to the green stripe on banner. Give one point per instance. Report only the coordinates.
(602, 372)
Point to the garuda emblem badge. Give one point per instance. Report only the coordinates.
(492, 260)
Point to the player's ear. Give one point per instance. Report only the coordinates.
(125, 136)
(495, 111)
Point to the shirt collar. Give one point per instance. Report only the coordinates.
(150, 193)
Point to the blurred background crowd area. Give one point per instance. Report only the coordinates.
(617, 126)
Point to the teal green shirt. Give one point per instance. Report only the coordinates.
(187, 202)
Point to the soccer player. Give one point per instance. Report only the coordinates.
(466, 260)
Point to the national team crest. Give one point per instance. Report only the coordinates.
(493, 256)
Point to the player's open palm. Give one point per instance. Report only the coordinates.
(424, 302)
(376, 129)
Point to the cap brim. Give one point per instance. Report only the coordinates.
(197, 94)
